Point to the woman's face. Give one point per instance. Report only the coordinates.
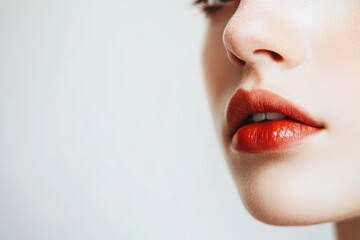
(300, 58)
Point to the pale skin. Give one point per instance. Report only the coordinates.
(309, 53)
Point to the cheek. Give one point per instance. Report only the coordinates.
(335, 46)
(337, 52)
(337, 64)
(220, 76)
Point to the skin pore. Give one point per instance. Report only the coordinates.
(307, 52)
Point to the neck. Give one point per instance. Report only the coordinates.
(348, 229)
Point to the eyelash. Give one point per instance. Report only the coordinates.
(205, 7)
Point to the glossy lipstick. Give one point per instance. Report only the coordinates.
(268, 135)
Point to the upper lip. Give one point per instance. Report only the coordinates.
(244, 103)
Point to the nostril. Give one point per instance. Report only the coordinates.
(275, 56)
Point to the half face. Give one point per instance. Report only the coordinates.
(283, 79)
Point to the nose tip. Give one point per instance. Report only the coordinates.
(263, 39)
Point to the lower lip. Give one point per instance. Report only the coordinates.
(270, 136)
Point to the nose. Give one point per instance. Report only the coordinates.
(263, 35)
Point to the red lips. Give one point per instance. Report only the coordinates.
(266, 136)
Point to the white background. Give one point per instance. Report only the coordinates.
(105, 132)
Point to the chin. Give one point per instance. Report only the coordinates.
(290, 193)
(278, 203)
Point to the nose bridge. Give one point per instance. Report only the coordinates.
(260, 34)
